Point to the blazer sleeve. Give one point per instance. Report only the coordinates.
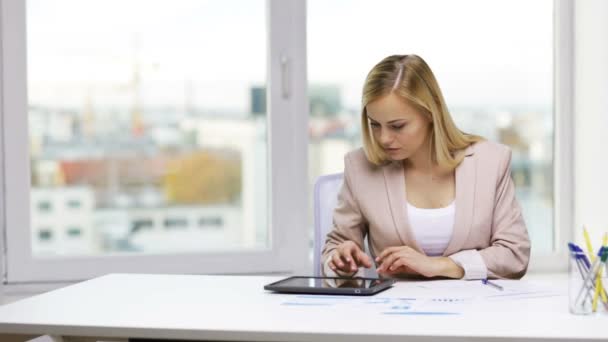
(348, 221)
(509, 251)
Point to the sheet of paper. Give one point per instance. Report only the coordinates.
(442, 297)
(512, 289)
(383, 305)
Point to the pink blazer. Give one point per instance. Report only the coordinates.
(490, 238)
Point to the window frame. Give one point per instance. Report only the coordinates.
(287, 179)
(563, 140)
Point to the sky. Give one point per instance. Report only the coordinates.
(482, 52)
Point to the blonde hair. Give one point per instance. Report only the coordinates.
(410, 78)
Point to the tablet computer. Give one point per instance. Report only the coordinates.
(331, 285)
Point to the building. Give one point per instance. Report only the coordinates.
(62, 221)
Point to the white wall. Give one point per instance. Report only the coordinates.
(591, 118)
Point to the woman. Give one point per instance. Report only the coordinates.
(432, 200)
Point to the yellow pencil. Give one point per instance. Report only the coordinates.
(598, 286)
(589, 246)
(598, 281)
(603, 293)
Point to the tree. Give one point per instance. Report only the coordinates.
(204, 178)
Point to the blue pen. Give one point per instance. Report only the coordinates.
(588, 267)
(487, 282)
(584, 257)
(581, 260)
(579, 251)
(585, 268)
(588, 281)
(577, 254)
(582, 269)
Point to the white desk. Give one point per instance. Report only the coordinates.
(189, 307)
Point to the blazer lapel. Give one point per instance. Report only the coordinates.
(394, 179)
(465, 200)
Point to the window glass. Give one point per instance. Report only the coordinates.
(143, 111)
(493, 61)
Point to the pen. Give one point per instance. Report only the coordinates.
(603, 292)
(592, 258)
(590, 277)
(577, 254)
(487, 282)
(598, 281)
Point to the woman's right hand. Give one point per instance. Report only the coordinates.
(348, 257)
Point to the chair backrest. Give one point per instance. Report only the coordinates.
(325, 200)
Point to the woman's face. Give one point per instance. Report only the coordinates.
(398, 127)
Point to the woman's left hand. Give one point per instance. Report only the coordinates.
(393, 258)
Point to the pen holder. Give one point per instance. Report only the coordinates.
(577, 274)
(587, 281)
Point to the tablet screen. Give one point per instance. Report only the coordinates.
(312, 282)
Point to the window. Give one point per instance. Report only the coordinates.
(45, 234)
(172, 114)
(210, 222)
(175, 222)
(493, 60)
(142, 119)
(44, 206)
(141, 224)
(155, 109)
(74, 204)
(74, 232)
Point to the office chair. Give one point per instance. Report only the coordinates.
(325, 200)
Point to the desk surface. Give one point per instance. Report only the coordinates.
(237, 308)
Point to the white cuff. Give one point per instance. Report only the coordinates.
(472, 263)
(328, 272)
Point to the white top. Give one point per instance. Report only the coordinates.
(432, 228)
(193, 307)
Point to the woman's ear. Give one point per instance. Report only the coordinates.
(428, 116)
